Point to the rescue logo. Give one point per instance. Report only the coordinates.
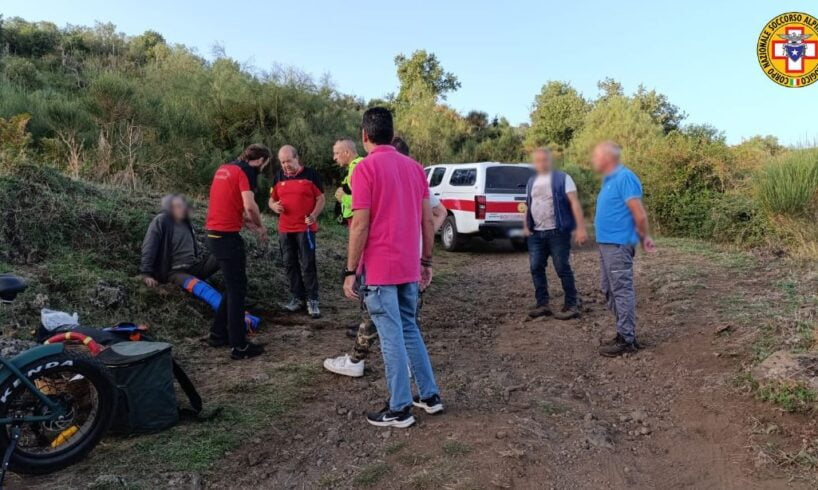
(788, 49)
(522, 208)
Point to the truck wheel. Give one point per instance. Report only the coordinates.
(451, 239)
(519, 244)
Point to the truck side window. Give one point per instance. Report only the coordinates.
(437, 177)
(463, 177)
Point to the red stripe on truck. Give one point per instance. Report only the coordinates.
(491, 207)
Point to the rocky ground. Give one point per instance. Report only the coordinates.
(530, 404)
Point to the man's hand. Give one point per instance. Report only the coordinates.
(277, 207)
(339, 194)
(580, 236)
(425, 277)
(349, 288)
(150, 282)
(310, 220)
(526, 232)
(648, 245)
(261, 234)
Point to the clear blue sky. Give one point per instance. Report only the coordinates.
(701, 53)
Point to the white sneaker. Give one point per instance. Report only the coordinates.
(345, 366)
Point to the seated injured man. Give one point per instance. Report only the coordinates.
(170, 254)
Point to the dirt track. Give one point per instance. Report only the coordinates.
(530, 404)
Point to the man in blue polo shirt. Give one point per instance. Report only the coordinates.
(621, 222)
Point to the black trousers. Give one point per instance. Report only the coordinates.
(228, 249)
(299, 263)
(202, 269)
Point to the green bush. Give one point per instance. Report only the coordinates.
(737, 218)
(587, 186)
(788, 185)
(683, 212)
(21, 72)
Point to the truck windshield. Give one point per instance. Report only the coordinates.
(507, 179)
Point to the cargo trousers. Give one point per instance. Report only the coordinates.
(616, 265)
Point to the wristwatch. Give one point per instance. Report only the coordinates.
(348, 273)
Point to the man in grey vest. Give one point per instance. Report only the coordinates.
(553, 214)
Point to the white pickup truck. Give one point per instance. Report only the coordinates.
(484, 199)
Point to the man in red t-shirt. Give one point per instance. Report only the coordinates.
(298, 199)
(232, 206)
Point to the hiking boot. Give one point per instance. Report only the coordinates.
(312, 308)
(432, 405)
(612, 340)
(217, 341)
(616, 339)
(388, 418)
(249, 350)
(619, 347)
(345, 366)
(294, 305)
(567, 313)
(540, 310)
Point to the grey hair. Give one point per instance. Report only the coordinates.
(348, 143)
(291, 148)
(167, 200)
(611, 148)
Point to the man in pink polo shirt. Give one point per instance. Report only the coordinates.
(390, 208)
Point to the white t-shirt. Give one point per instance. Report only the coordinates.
(542, 201)
(434, 201)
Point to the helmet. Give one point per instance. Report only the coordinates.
(10, 287)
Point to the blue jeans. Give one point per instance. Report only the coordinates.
(393, 309)
(557, 245)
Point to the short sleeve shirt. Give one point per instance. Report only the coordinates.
(392, 187)
(542, 201)
(297, 193)
(225, 210)
(613, 222)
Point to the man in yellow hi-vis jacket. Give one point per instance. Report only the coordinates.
(345, 154)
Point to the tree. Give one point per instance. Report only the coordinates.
(501, 142)
(434, 132)
(477, 121)
(609, 88)
(559, 112)
(422, 76)
(660, 109)
(14, 140)
(703, 132)
(141, 48)
(751, 154)
(619, 119)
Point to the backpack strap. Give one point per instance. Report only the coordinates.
(190, 390)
